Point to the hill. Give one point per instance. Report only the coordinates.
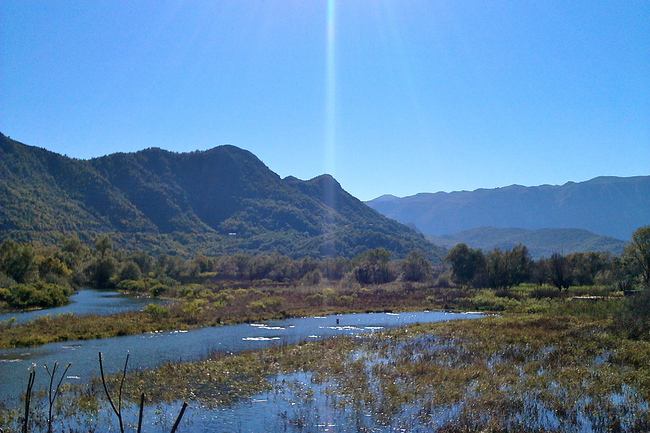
(540, 242)
(612, 206)
(222, 200)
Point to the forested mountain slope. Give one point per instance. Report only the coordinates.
(220, 200)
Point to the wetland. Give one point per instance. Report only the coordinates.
(365, 344)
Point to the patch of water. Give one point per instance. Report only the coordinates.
(87, 301)
(152, 349)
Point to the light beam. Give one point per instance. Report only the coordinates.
(330, 90)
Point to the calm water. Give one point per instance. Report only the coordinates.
(149, 350)
(87, 301)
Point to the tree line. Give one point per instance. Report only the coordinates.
(37, 276)
(502, 269)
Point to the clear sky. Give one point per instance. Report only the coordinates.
(389, 96)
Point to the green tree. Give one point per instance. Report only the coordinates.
(496, 269)
(17, 261)
(416, 267)
(103, 245)
(130, 271)
(75, 255)
(102, 271)
(508, 268)
(333, 268)
(639, 250)
(74, 246)
(144, 261)
(585, 267)
(203, 263)
(634, 318)
(466, 263)
(372, 266)
(558, 271)
(518, 264)
(53, 270)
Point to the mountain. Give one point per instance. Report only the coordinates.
(222, 200)
(612, 206)
(540, 242)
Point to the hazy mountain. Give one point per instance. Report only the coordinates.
(220, 200)
(612, 206)
(540, 242)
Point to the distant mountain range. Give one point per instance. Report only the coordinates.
(540, 242)
(222, 200)
(610, 206)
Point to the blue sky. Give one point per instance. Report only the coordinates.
(399, 97)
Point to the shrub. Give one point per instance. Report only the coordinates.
(6, 281)
(544, 292)
(36, 295)
(158, 289)
(634, 317)
(157, 311)
(312, 278)
(132, 285)
(130, 271)
(315, 299)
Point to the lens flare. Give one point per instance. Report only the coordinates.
(329, 199)
(330, 90)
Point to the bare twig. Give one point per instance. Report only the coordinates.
(52, 397)
(180, 415)
(118, 409)
(28, 398)
(140, 415)
(119, 398)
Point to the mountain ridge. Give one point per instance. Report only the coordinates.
(606, 205)
(223, 198)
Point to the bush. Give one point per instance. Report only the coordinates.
(315, 299)
(158, 289)
(505, 293)
(634, 317)
(545, 292)
(132, 285)
(6, 281)
(36, 295)
(312, 278)
(157, 311)
(130, 271)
